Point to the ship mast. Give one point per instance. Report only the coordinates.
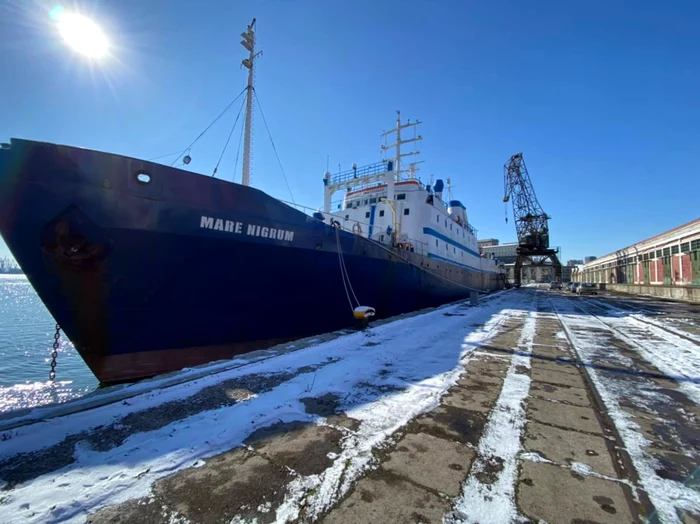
(396, 176)
(249, 43)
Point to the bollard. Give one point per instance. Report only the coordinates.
(362, 315)
(474, 298)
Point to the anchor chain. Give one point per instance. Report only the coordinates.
(54, 353)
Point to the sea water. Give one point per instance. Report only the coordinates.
(26, 340)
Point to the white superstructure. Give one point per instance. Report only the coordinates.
(389, 205)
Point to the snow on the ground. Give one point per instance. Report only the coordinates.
(652, 318)
(672, 355)
(499, 446)
(424, 356)
(666, 495)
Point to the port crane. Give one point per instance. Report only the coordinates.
(531, 222)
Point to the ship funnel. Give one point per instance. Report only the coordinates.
(439, 186)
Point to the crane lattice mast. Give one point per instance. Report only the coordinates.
(531, 222)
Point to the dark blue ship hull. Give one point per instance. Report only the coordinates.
(150, 269)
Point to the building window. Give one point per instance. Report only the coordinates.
(366, 214)
(454, 250)
(436, 243)
(695, 244)
(372, 200)
(401, 196)
(447, 248)
(405, 211)
(685, 247)
(667, 252)
(658, 253)
(652, 255)
(381, 213)
(675, 249)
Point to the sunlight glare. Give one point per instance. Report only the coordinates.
(82, 34)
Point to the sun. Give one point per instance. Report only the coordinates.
(82, 34)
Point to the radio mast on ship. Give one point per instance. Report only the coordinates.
(387, 172)
(249, 43)
(397, 159)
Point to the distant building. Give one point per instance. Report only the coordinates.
(566, 272)
(574, 263)
(586, 260)
(487, 242)
(670, 258)
(506, 253)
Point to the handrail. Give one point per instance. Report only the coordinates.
(371, 169)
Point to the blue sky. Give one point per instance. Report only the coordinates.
(601, 97)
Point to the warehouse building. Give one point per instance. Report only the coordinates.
(671, 258)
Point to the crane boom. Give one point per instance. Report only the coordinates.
(531, 222)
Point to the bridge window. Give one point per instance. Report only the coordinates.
(406, 211)
(381, 213)
(401, 196)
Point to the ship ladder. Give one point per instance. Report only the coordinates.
(362, 314)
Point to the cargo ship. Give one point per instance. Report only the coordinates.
(104, 239)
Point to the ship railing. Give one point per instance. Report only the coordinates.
(351, 226)
(303, 209)
(352, 174)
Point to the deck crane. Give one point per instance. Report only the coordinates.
(530, 219)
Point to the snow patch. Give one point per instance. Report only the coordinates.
(499, 447)
(666, 495)
(346, 367)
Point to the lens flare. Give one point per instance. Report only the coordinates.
(81, 34)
